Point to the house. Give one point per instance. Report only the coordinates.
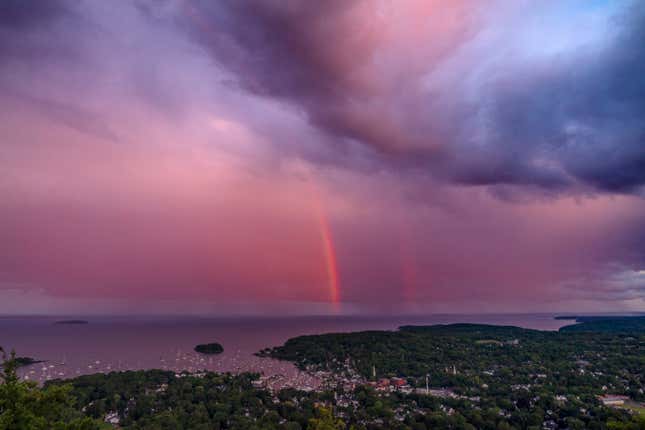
(112, 418)
(398, 382)
(613, 399)
(383, 384)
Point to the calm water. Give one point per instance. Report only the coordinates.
(121, 343)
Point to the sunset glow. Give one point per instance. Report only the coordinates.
(332, 157)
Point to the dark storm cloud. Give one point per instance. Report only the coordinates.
(289, 51)
(26, 28)
(321, 58)
(278, 48)
(586, 115)
(360, 74)
(30, 13)
(568, 121)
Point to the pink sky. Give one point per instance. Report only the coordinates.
(366, 157)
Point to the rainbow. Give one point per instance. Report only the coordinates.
(330, 258)
(323, 224)
(328, 249)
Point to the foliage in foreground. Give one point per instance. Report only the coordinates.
(25, 406)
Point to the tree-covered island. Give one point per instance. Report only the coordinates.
(209, 348)
(71, 322)
(23, 361)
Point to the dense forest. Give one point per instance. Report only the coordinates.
(162, 400)
(470, 356)
(26, 406)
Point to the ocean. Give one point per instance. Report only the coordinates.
(108, 344)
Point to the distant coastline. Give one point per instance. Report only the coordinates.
(71, 322)
(614, 324)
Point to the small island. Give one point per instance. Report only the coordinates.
(72, 322)
(24, 361)
(209, 348)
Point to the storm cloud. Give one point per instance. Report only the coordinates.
(407, 156)
(456, 105)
